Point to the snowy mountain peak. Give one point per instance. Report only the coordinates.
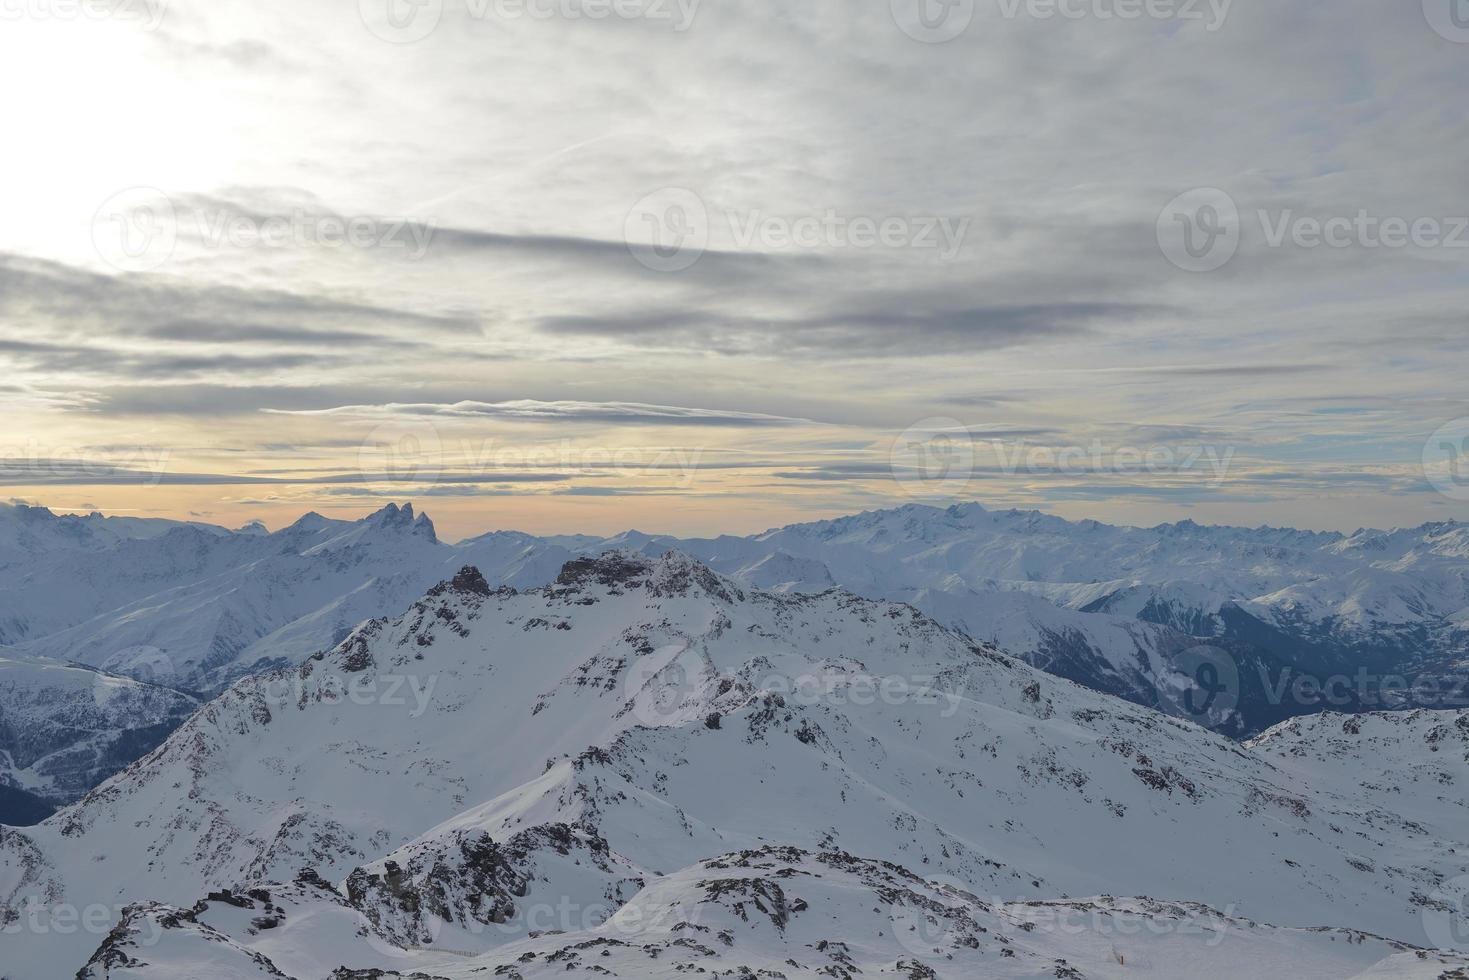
(391, 515)
(391, 528)
(402, 518)
(310, 521)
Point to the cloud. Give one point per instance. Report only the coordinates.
(143, 365)
(526, 410)
(81, 472)
(99, 329)
(1233, 370)
(886, 327)
(1059, 143)
(195, 330)
(728, 267)
(45, 290)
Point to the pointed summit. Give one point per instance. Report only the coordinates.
(393, 517)
(424, 527)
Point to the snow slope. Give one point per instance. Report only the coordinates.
(647, 740)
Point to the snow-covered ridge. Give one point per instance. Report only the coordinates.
(194, 607)
(647, 740)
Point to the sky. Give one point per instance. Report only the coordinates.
(701, 267)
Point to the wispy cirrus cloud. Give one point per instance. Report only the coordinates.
(527, 410)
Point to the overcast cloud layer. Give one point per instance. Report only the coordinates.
(571, 265)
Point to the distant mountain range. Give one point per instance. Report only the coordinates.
(1261, 624)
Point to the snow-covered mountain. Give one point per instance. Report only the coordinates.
(64, 729)
(197, 608)
(646, 768)
(1117, 604)
(234, 603)
(1121, 610)
(56, 570)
